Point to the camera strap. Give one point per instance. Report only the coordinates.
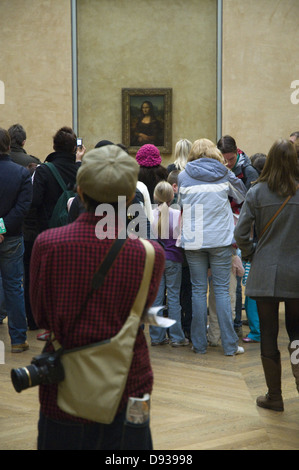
(107, 263)
(102, 271)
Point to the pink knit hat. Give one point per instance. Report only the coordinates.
(148, 155)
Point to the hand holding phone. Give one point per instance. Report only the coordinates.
(80, 150)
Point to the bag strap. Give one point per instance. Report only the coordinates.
(56, 175)
(275, 215)
(140, 300)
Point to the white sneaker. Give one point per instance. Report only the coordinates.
(240, 350)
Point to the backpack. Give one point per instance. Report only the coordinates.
(60, 213)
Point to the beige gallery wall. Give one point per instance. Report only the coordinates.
(260, 62)
(36, 69)
(150, 43)
(146, 44)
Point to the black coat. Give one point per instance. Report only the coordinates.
(46, 190)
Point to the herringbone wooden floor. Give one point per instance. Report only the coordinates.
(198, 403)
(207, 402)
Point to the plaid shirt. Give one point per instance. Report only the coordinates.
(62, 265)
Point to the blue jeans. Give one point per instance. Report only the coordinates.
(171, 280)
(119, 435)
(12, 272)
(219, 260)
(186, 300)
(3, 313)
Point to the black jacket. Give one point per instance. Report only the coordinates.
(46, 190)
(15, 195)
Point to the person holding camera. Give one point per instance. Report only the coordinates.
(63, 262)
(47, 190)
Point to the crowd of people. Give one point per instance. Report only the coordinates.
(205, 216)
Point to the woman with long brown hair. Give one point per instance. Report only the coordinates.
(274, 273)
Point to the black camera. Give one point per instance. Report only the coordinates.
(44, 369)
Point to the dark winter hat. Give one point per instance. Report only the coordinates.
(102, 143)
(106, 173)
(148, 155)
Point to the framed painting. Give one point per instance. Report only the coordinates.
(147, 118)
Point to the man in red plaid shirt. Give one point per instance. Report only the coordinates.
(62, 265)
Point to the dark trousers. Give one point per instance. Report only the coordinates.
(238, 317)
(119, 435)
(268, 311)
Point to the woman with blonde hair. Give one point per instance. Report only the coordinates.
(202, 148)
(207, 236)
(274, 272)
(181, 154)
(166, 227)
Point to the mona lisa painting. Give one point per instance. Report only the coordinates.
(146, 116)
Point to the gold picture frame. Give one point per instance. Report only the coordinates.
(147, 118)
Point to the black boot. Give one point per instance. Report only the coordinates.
(273, 399)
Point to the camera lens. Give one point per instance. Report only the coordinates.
(44, 369)
(25, 377)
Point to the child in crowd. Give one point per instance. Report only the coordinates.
(254, 336)
(214, 334)
(186, 286)
(166, 227)
(173, 181)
